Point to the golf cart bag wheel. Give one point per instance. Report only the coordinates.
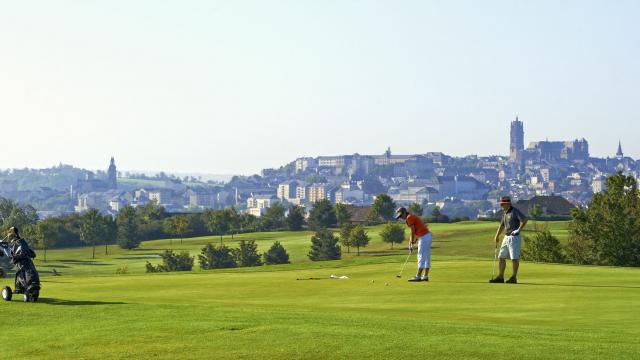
(25, 297)
(7, 293)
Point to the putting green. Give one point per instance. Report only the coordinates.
(558, 311)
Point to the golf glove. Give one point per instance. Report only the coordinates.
(515, 233)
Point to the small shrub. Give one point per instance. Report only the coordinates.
(172, 262)
(216, 257)
(543, 247)
(276, 255)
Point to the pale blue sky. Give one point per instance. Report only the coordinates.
(237, 86)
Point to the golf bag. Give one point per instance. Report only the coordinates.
(27, 279)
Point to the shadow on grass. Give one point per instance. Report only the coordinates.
(53, 266)
(84, 262)
(583, 286)
(50, 301)
(141, 257)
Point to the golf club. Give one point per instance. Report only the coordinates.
(399, 276)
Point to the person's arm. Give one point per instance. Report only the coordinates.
(523, 223)
(500, 229)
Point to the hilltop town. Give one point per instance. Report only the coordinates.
(459, 186)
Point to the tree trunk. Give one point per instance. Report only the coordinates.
(93, 255)
(44, 245)
(358, 250)
(106, 249)
(392, 245)
(221, 243)
(180, 239)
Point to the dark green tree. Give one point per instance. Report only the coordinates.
(342, 213)
(247, 254)
(273, 218)
(393, 233)
(322, 215)
(213, 257)
(128, 225)
(47, 234)
(383, 208)
(295, 218)
(276, 255)
(324, 246)
(359, 237)
(608, 231)
(172, 262)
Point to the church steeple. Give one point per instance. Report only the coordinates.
(112, 175)
(620, 154)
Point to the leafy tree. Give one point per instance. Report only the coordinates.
(247, 254)
(416, 209)
(608, 231)
(150, 212)
(273, 218)
(322, 215)
(342, 213)
(110, 232)
(177, 225)
(93, 230)
(218, 222)
(359, 237)
(295, 218)
(14, 214)
(324, 246)
(383, 207)
(47, 234)
(315, 179)
(276, 255)
(172, 262)
(534, 213)
(213, 257)
(128, 225)
(345, 235)
(393, 233)
(543, 247)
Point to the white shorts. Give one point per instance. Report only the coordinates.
(424, 252)
(510, 247)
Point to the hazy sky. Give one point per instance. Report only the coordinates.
(237, 86)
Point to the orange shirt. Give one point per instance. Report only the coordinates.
(420, 228)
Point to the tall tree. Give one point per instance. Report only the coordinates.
(383, 207)
(416, 209)
(345, 235)
(324, 246)
(273, 218)
(111, 232)
(295, 218)
(177, 225)
(359, 237)
(608, 231)
(128, 225)
(47, 234)
(92, 230)
(392, 233)
(217, 222)
(342, 213)
(322, 215)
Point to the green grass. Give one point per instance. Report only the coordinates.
(558, 311)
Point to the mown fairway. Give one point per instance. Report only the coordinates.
(558, 311)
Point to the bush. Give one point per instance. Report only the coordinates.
(324, 246)
(172, 262)
(543, 247)
(213, 257)
(276, 255)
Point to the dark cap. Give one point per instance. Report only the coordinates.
(505, 200)
(401, 211)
